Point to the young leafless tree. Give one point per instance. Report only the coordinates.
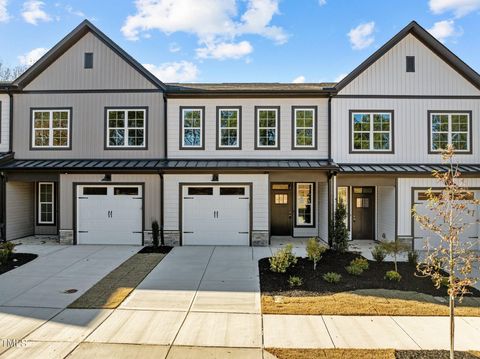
(11, 73)
(451, 211)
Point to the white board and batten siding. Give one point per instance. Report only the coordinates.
(386, 212)
(260, 186)
(248, 128)
(5, 122)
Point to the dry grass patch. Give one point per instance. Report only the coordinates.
(367, 302)
(332, 353)
(112, 290)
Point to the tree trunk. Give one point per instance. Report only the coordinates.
(452, 326)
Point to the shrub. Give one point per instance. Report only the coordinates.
(315, 251)
(394, 248)
(354, 269)
(338, 229)
(3, 257)
(332, 277)
(392, 275)
(360, 262)
(8, 247)
(282, 259)
(295, 281)
(379, 254)
(413, 257)
(155, 233)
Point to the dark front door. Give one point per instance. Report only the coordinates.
(363, 212)
(281, 209)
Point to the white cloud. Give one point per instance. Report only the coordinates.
(223, 50)
(444, 29)
(220, 21)
(72, 11)
(340, 77)
(322, 2)
(31, 57)
(182, 71)
(361, 36)
(4, 16)
(174, 47)
(299, 80)
(32, 12)
(458, 7)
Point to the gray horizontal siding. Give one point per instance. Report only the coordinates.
(88, 111)
(20, 209)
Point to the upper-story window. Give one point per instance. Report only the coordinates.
(304, 127)
(126, 128)
(450, 128)
(192, 128)
(228, 127)
(267, 128)
(51, 128)
(371, 131)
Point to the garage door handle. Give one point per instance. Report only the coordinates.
(82, 231)
(473, 237)
(242, 232)
(82, 197)
(243, 198)
(187, 197)
(137, 232)
(187, 232)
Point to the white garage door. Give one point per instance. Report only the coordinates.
(422, 236)
(109, 214)
(216, 215)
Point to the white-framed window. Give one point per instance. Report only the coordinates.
(450, 129)
(51, 128)
(126, 127)
(304, 127)
(371, 131)
(46, 203)
(192, 124)
(304, 204)
(267, 128)
(229, 127)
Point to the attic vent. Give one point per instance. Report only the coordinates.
(88, 64)
(410, 63)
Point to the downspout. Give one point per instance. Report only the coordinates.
(162, 233)
(329, 129)
(165, 128)
(10, 130)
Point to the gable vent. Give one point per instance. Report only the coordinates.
(88, 63)
(410, 63)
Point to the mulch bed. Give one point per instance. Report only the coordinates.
(159, 249)
(431, 354)
(17, 260)
(313, 284)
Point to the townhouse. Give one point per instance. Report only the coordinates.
(101, 148)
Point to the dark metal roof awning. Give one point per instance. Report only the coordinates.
(159, 164)
(405, 168)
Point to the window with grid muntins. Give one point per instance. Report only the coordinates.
(46, 203)
(229, 128)
(192, 127)
(267, 128)
(372, 131)
(51, 128)
(450, 129)
(126, 128)
(304, 128)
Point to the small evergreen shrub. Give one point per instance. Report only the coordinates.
(155, 233)
(338, 229)
(8, 247)
(392, 275)
(379, 254)
(354, 269)
(413, 257)
(3, 257)
(315, 251)
(295, 281)
(332, 277)
(282, 259)
(360, 262)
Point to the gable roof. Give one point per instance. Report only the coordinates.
(429, 41)
(71, 39)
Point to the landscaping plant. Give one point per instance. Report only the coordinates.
(295, 281)
(378, 253)
(451, 213)
(394, 248)
(315, 251)
(357, 266)
(413, 257)
(282, 259)
(8, 247)
(393, 275)
(155, 233)
(3, 257)
(353, 270)
(338, 229)
(332, 277)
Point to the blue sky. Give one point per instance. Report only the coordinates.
(240, 40)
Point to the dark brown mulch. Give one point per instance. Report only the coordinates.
(313, 283)
(159, 249)
(431, 354)
(17, 260)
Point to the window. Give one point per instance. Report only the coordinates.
(281, 198)
(228, 128)
(51, 128)
(94, 191)
(461, 196)
(450, 129)
(126, 128)
(192, 127)
(125, 191)
(267, 136)
(232, 191)
(372, 131)
(304, 121)
(343, 196)
(200, 191)
(88, 63)
(46, 213)
(304, 208)
(410, 63)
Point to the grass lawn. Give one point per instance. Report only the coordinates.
(112, 290)
(367, 354)
(367, 294)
